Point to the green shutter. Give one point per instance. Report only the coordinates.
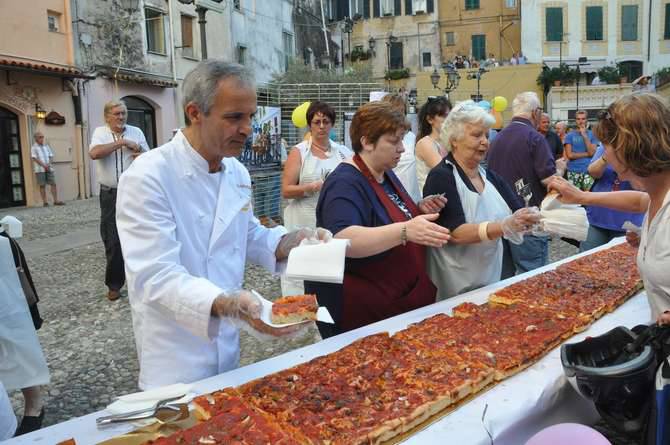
(629, 22)
(554, 24)
(471, 4)
(479, 47)
(594, 23)
(666, 33)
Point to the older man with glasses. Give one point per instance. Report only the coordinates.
(521, 155)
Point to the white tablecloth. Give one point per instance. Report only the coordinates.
(515, 409)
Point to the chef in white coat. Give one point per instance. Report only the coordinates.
(187, 228)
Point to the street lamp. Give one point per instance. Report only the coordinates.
(40, 113)
(452, 79)
(371, 45)
(477, 75)
(581, 61)
(201, 10)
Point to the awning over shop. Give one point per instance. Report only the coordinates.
(13, 63)
(128, 75)
(592, 65)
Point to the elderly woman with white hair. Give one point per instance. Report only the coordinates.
(481, 207)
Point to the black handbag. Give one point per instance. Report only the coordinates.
(28, 291)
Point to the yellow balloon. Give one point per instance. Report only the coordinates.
(499, 104)
(299, 115)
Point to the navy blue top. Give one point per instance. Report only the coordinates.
(607, 218)
(521, 152)
(347, 199)
(441, 179)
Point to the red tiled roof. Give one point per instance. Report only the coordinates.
(127, 75)
(42, 67)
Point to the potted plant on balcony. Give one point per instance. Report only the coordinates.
(662, 76)
(358, 53)
(397, 73)
(548, 77)
(566, 75)
(612, 74)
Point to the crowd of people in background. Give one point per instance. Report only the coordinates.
(428, 216)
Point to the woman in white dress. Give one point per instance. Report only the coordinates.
(306, 168)
(635, 131)
(429, 149)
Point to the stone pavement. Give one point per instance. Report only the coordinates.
(88, 340)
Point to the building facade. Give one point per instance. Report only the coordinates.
(398, 37)
(604, 31)
(479, 28)
(39, 92)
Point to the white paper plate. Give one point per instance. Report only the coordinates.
(322, 313)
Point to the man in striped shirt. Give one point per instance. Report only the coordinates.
(42, 155)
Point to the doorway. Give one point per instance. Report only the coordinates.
(142, 115)
(12, 184)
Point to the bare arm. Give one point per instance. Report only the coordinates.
(104, 150)
(290, 188)
(368, 241)
(469, 233)
(568, 153)
(597, 167)
(625, 200)
(424, 150)
(41, 164)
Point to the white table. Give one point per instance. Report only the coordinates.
(517, 407)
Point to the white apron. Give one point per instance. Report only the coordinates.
(301, 212)
(458, 268)
(22, 363)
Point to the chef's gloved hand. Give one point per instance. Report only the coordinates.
(293, 239)
(237, 304)
(518, 223)
(243, 309)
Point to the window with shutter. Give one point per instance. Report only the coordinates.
(408, 7)
(430, 6)
(396, 55)
(554, 24)
(666, 33)
(629, 22)
(387, 7)
(471, 4)
(594, 23)
(426, 59)
(449, 38)
(375, 8)
(419, 6)
(187, 36)
(479, 46)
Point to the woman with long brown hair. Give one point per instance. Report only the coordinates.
(635, 131)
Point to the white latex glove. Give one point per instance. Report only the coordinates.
(520, 222)
(293, 239)
(243, 309)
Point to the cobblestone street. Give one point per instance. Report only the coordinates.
(88, 340)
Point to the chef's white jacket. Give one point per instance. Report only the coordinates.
(185, 236)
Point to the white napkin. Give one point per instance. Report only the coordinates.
(568, 220)
(147, 399)
(322, 262)
(322, 313)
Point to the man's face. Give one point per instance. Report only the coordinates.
(544, 125)
(39, 138)
(116, 118)
(580, 120)
(228, 125)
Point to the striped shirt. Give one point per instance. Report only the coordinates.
(42, 153)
